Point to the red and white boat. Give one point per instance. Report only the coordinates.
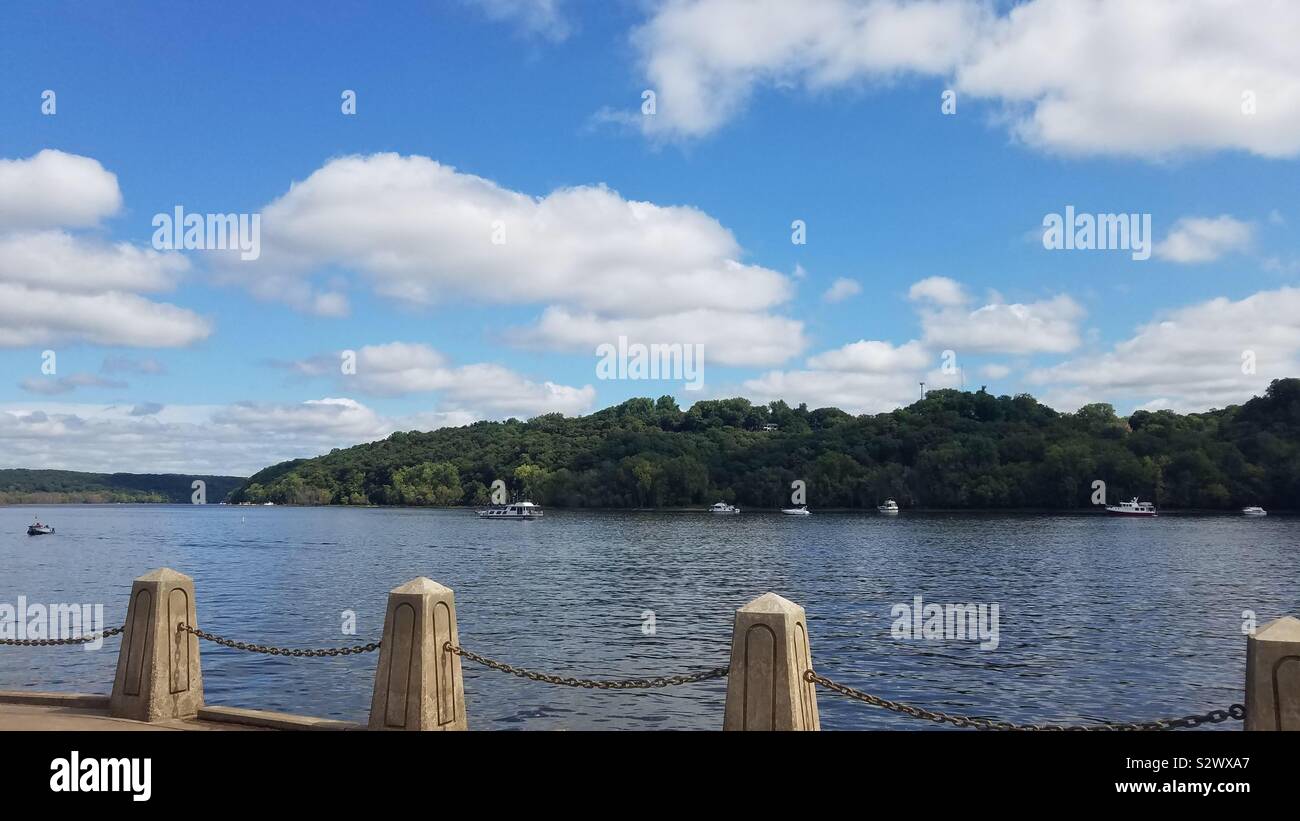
(1132, 508)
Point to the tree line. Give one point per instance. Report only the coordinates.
(952, 449)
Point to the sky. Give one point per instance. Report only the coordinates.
(453, 210)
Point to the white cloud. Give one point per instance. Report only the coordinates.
(841, 289)
(485, 390)
(235, 439)
(542, 17)
(422, 233)
(61, 287)
(1191, 359)
(854, 393)
(948, 322)
(939, 290)
(60, 261)
(870, 356)
(1204, 239)
(1103, 77)
(728, 337)
(31, 316)
(53, 189)
(995, 370)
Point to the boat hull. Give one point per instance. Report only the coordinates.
(1139, 514)
(40, 531)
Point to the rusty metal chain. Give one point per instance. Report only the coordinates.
(1236, 712)
(112, 631)
(278, 651)
(590, 684)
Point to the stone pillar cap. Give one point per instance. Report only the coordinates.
(1286, 629)
(771, 603)
(164, 574)
(421, 584)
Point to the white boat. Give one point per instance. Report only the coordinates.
(890, 506)
(38, 529)
(796, 511)
(724, 509)
(518, 510)
(1132, 508)
(1254, 511)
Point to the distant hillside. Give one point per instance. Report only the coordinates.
(18, 486)
(953, 449)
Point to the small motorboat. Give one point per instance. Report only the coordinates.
(1254, 511)
(724, 509)
(518, 510)
(38, 529)
(796, 511)
(889, 507)
(1132, 508)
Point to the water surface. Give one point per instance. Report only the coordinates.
(1100, 618)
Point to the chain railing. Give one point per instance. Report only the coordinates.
(112, 631)
(590, 684)
(278, 651)
(1236, 712)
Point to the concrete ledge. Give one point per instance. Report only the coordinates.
(87, 701)
(272, 720)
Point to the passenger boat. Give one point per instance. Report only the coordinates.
(1132, 508)
(518, 510)
(889, 507)
(802, 510)
(38, 529)
(1254, 511)
(724, 509)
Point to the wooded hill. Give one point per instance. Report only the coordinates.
(953, 449)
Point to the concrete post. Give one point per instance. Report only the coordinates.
(418, 684)
(769, 654)
(1273, 676)
(158, 675)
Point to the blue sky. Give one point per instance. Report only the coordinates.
(831, 116)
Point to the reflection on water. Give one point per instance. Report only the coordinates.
(1099, 618)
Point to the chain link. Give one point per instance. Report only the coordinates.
(590, 684)
(278, 651)
(1236, 712)
(113, 631)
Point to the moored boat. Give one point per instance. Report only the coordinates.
(724, 509)
(518, 511)
(802, 510)
(1132, 508)
(1254, 511)
(889, 507)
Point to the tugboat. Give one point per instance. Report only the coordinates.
(38, 529)
(724, 509)
(802, 510)
(1132, 508)
(890, 507)
(518, 510)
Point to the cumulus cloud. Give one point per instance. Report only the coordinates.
(56, 286)
(484, 389)
(236, 440)
(841, 289)
(422, 233)
(1206, 355)
(728, 337)
(855, 393)
(871, 356)
(1102, 77)
(54, 189)
(541, 17)
(948, 321)
(1204, 239)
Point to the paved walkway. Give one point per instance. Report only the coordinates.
(30, 710)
